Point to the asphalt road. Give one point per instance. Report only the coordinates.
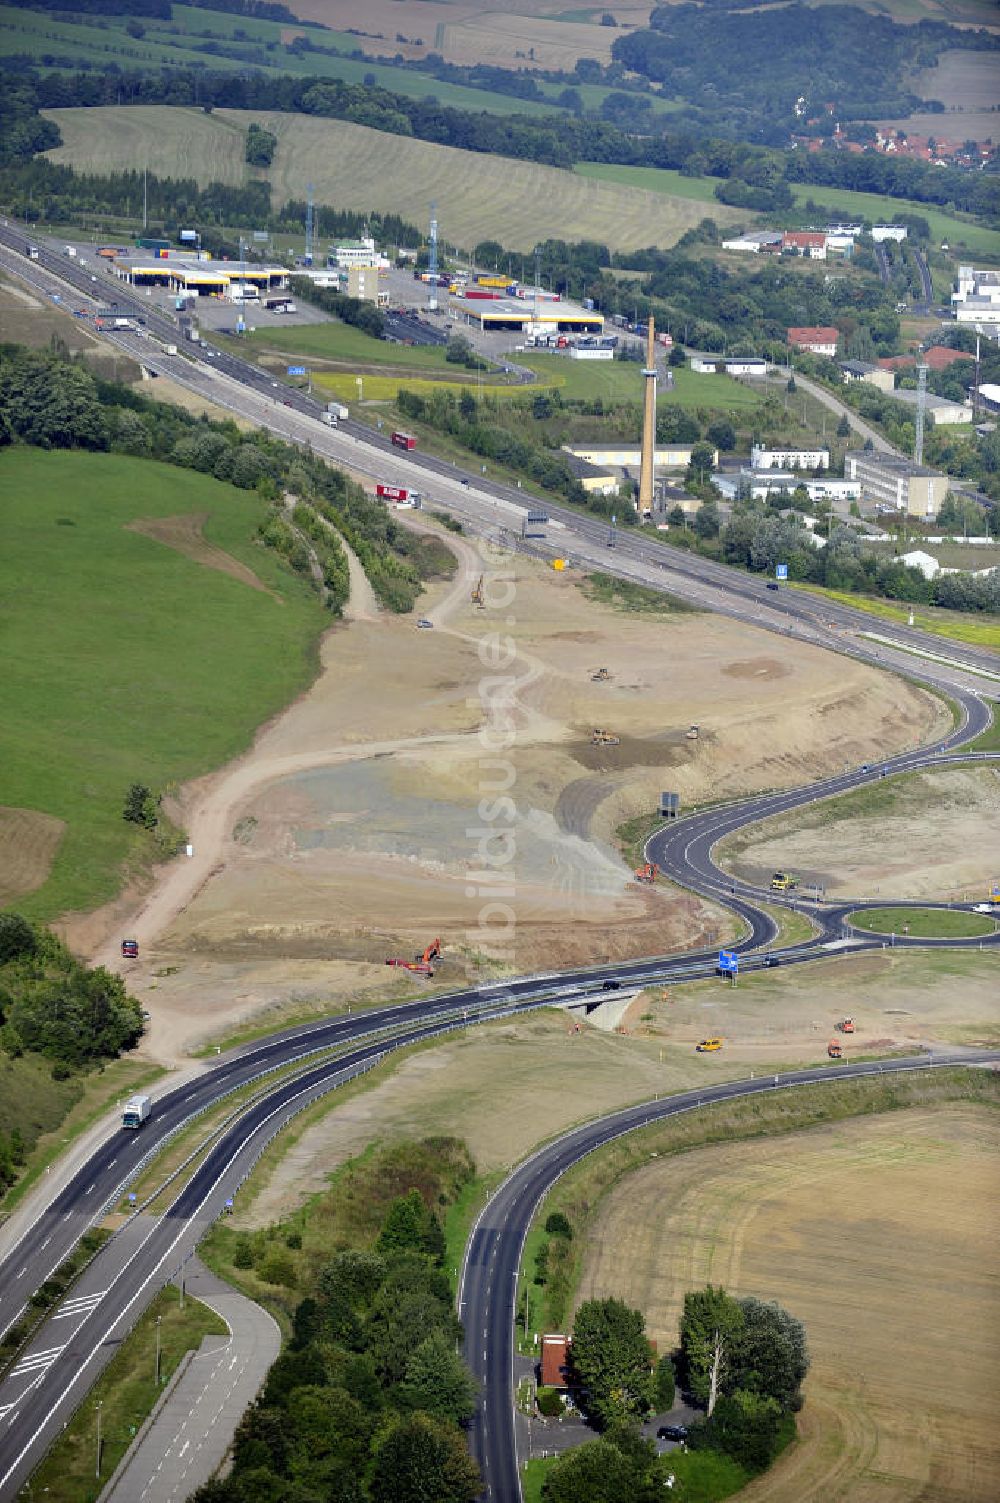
(57, 1367)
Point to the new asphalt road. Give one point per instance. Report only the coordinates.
(56, 1367)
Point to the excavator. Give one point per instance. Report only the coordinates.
(846, 1026)
(600, 677)
(422, 965)
(647, 873)
(604, 738)
(477, 594)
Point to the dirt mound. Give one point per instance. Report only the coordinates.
(185, 535)
(28, 844)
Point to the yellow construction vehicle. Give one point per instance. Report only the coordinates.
(604, 738)
(783, 882)
(477, 594)
(600, 677)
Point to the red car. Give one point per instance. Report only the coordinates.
(130, 949)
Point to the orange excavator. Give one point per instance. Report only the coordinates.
(647, 873)
(422, 965)
(847, 1026)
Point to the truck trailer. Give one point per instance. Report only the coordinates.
(136, 1111)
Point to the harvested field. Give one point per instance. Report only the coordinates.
(354, 167)
(185, 535)
(968, 85)
(878, 1234)
(929, 834)
(28, 844)
(477, 31)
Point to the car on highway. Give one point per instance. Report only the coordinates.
(672, 1432)
(984, 908)
(611, 986)
(771, 585)
(709, 1046)
(424, 624)
(770, 960)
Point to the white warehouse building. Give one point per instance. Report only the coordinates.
(789, 459)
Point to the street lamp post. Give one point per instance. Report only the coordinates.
(97, 1469)
(158, 1319)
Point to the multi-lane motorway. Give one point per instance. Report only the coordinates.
(57, 1366)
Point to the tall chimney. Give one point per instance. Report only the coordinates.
(648, 428)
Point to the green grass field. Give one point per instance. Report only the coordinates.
(974, 630)
(924, 923)
(478, 196)
(125, 660)
(871, 206)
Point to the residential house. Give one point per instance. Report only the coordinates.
(820, 340)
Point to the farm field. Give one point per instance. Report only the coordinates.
(968, 85)
(877, 1233)
(478, 196)
(872, 206)
(924, 835)
(128, 658)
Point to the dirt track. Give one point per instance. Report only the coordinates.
(343, 836)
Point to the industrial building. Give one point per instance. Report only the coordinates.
(665, 457)
(363, 284)
(872, 375)
(976, 298)
(759, 484)
(193, 277)
(941, 409)
(789, 459)
(529, 317)
(891, 480)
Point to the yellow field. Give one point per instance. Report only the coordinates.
(477, 196)
(879, 1235)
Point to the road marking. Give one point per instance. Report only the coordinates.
(184, 1447)
(37, 1363)
(45, 1244)
(23, 1271)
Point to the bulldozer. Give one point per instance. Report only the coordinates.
(602, 676)
(604, 738)
(835, 1049)
(647, 873)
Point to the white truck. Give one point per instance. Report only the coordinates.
(170, 349)
(335, 412)
(135, 1111)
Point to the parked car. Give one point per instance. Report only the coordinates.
(672, 1432)
(425, 624)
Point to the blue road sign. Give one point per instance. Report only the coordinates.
(297, 370)
(781, 571)
(729, 961)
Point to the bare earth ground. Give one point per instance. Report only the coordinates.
(493, 1087)
(937, 837)
(880, 1236)
(350, 832)
(28, 844)
(185, 535)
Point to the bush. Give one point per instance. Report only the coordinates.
(278, 1268)
(17, 937)
(549, 1403)
(557, 1225)
(243, 1254)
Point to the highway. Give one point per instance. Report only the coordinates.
(54, 1371)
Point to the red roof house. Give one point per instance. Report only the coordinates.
(555, 1356)
(820, 340)
(805, 243)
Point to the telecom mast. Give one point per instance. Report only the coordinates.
(918, 442)
(432, 262)
(308, 257)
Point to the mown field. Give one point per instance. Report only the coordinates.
(478, 196)
(125, 660)
(871, 206)
(877, 1234)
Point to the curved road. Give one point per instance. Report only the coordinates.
(57, 1367)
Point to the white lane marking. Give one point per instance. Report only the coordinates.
(36, 1362)
(45, 1244)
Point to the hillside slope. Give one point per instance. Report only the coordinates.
(478, 197)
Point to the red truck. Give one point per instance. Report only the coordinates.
(398, 495)
(404, 440)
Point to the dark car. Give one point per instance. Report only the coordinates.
(672, 1432)
(611, 986)
(770, 960)
(771, 585)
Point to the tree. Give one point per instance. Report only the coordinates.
(438, 1381)
(141, 806)
(611, 1362)
(744, 1425)
(666, 1385)
(676, 356)
(711, 1328)
(424, 1461)
(772, 1359)
(843, 427)
(707, 520)
(260, 145)
(722, 434)
(676, 516)
(17, 937)
(557, 1225)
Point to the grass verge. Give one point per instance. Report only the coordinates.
(126, 1391)
(952, 625)
(607, 589)
(924, 923)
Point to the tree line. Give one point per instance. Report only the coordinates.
(556, 141)
(368, 1401)
(742, 1361)
(53, 402)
